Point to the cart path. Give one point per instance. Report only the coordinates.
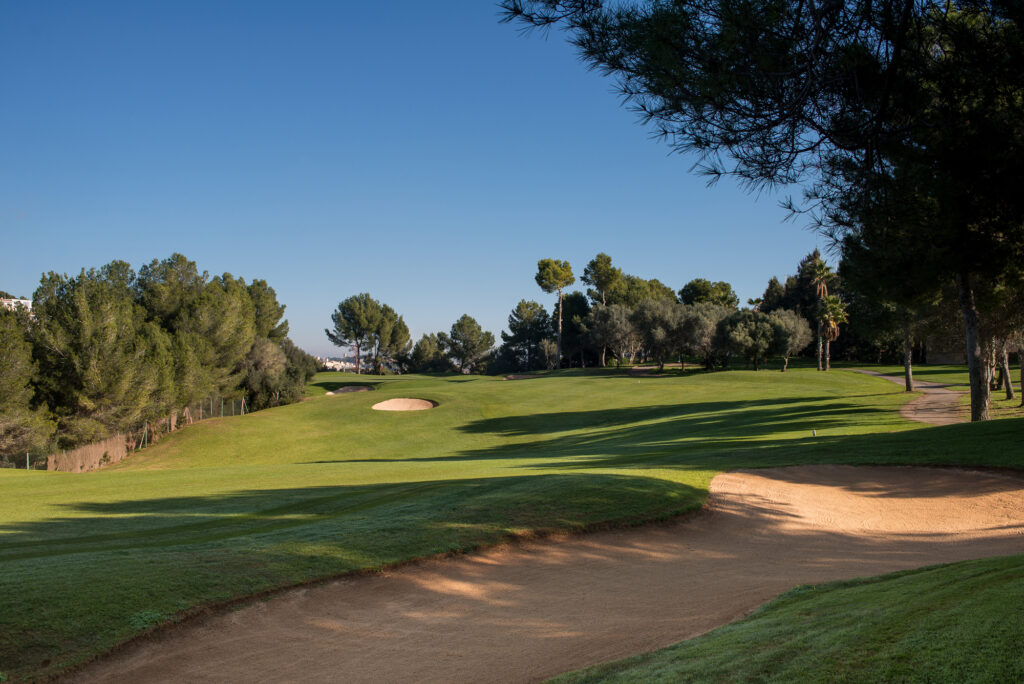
(525, 612)
(936, 405)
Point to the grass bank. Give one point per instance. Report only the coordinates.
(954, 623)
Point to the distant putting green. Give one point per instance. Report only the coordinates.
(233, 507)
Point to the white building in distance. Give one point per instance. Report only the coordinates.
(13, 304)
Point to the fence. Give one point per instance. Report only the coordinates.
(113, 449)
(91, 456)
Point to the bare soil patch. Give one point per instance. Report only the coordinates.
(404, 404)
(523, 376)
(521, 613)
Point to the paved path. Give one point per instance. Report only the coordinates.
(526, 612)
(936, 405)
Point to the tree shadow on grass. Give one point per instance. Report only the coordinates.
(643, 434)
(558, 501)
(332, 385)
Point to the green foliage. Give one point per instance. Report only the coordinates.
(659, 323)
(268, 312)
(630, 290)
(699, 328)
(355, 321)
(118, 351)
(602, 278)
(750, 334)
(23, 426)
(468, 343)
(390, 339)
(264, 373)
(611, 326)
(799, 294)
(703, 291)
(575, 340)
(792, 333)
(366, 324)
(430, 354)
(773, 297)
(554, 275)
(104, 368)
(528, 324)
(833, 313)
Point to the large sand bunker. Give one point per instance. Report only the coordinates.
(404, 404)
(526, 612)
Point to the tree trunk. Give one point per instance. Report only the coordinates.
(1020, 364)
(975, 356)
(661, 365)
(819, 346)
(357, 357)
(785, 363)
(828, 354)
(1004, 369)
(558, 361)
(993, 381)
(603, 349)
(908, 371)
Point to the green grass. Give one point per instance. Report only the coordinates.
(235, 507)
(952, 623)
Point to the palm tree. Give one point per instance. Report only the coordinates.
(833, 313)
(820, 278)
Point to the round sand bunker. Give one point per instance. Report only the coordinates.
(402, 404)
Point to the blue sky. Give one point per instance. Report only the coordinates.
(421, 152)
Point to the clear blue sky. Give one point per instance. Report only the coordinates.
(421, 152)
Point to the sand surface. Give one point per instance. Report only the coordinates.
(521, 613)
(936, 405)
(404, 404)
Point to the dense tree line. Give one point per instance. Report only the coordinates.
(634, 319)
(376, 330)
(111, 351)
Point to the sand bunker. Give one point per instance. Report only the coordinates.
(403, 404)
(526, 612)
(523, 376)
(349, 389)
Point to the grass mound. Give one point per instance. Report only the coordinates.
(952, 623)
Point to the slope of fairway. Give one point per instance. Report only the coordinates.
(952, 623)
(237, 506)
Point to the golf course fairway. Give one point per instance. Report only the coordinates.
(238, 507)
